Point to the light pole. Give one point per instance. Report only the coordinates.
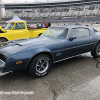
(1, 9)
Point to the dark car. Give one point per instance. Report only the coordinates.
(55, 44)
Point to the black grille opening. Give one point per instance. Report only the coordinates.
(3, 57)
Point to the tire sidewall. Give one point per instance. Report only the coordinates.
(98, 45)
(32, 66)
(94, 52)
(2, 40)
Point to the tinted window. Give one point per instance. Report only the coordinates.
(79, 32)
(19, 26)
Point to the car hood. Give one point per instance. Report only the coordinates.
(2, 30)
(13, 47)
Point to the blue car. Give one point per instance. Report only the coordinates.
(55, 44)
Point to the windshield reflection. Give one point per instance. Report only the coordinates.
(56, 32)
(9, 26)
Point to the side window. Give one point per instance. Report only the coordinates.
(19, 26)
(79, 32)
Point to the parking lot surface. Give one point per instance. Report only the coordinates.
(73, 79)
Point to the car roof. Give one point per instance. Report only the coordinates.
(17, 22)
(72, 26)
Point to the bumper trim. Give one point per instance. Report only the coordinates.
(1, 74)
(2, 63)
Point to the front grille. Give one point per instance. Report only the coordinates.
(3, 57)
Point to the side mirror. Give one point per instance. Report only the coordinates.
(72, 38)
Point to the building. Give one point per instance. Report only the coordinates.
(70, 10)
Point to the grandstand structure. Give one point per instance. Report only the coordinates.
(59, 11)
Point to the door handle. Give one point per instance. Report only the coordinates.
(25, 31)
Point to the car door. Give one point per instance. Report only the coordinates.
(79, 41)
(19, 31)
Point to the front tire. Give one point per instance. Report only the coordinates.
(96, 51)
(2, 40)
(40, 65)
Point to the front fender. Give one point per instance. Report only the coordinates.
(24, 57)
(7, 35)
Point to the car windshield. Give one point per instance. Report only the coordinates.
(9, 26)
(56, 32)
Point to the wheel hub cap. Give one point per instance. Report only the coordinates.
(42, 65)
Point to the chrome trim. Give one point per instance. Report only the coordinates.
(38, 53)
(42, 65)
(1, 74)
(2, 62)
(73, 47)
(67, 58)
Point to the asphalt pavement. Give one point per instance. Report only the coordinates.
(73, 79)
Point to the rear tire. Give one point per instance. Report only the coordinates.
(40, 65)
(96, 51)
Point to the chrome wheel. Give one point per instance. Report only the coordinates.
(42, 65)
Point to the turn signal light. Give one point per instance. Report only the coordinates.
(18, 62)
